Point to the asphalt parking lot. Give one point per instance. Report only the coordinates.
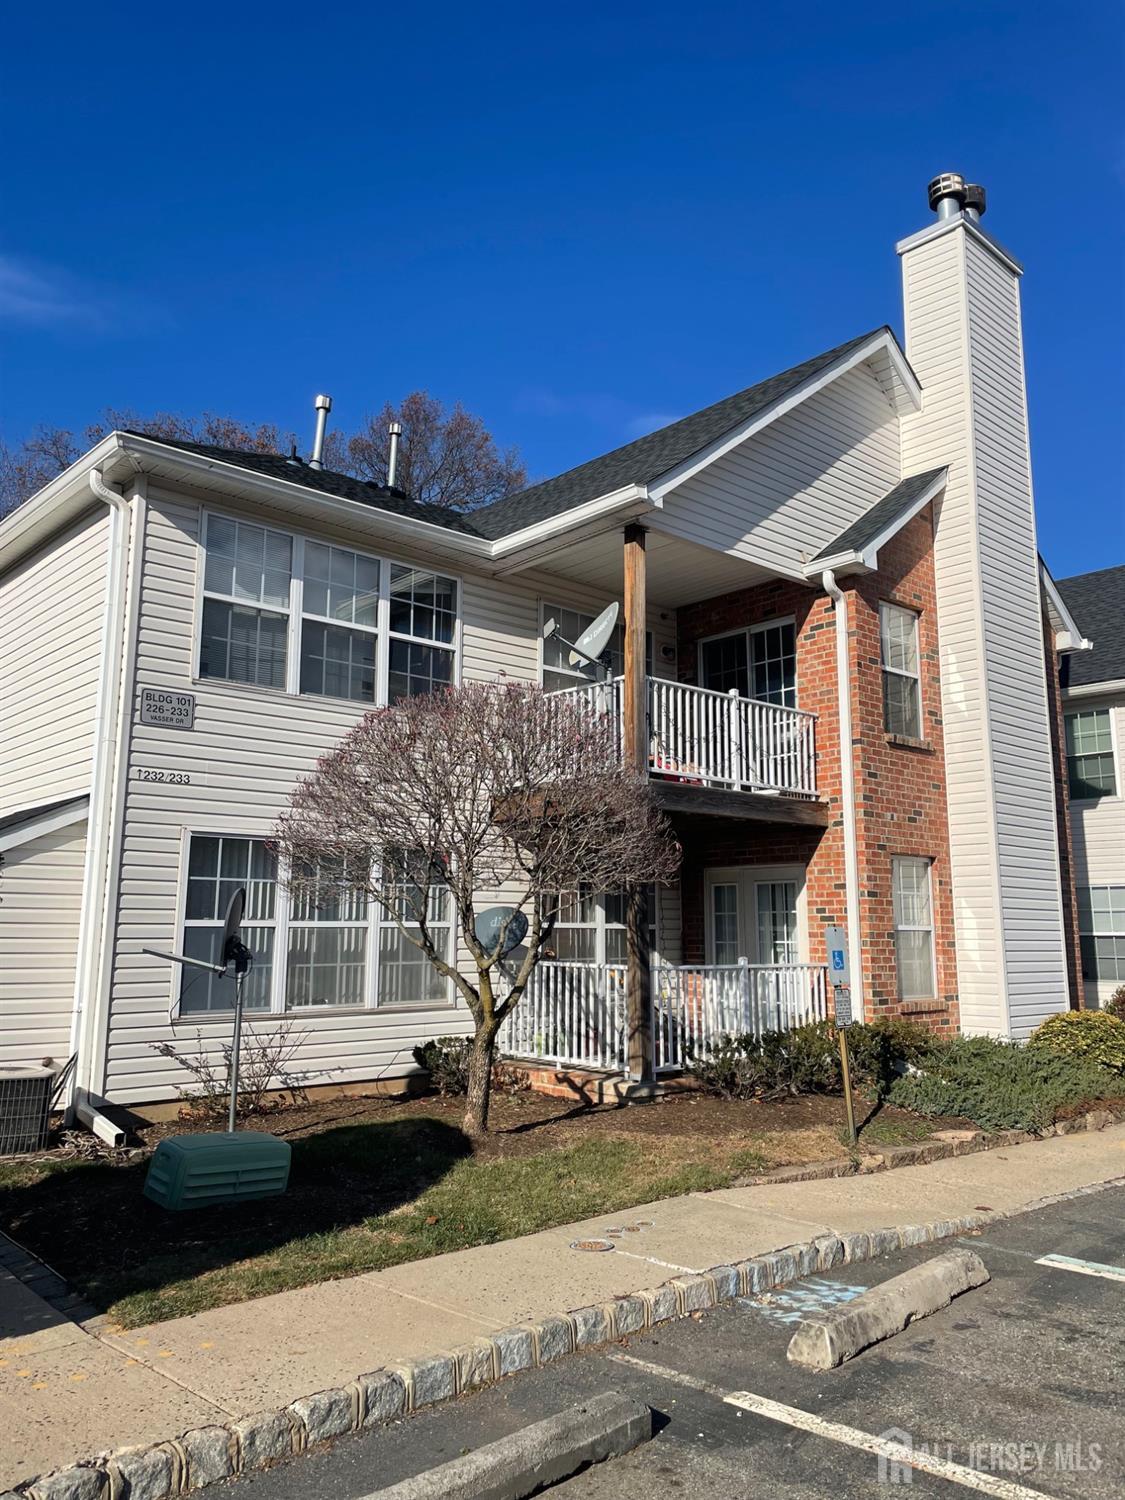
(1021, 1383)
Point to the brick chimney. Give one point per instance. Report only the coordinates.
(961, 291)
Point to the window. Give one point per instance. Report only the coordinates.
(216, 869)
(902, 687)
(327, 962)
(246, 585)
(1101, 931)
(773, 663)
(337, 949)
(914, 928)
(776, 902)
(351, 625)
(591, 928)
(340, 617)
(423, 618)
(757, 663)
(724, 915)
(406, 976)
(1089, 754)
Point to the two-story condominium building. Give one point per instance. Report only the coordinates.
(834, 619)
(1094, 712)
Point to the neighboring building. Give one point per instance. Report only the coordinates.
(1094, 711)
(849, 716)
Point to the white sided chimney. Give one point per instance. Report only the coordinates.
(964, 340)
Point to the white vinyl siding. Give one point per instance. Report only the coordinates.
(787, 491)
(51, 614)
(40, 906)
(964, 342)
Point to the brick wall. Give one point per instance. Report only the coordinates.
(900, 789)
(1062, 812)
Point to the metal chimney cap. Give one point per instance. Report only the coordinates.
(946, 185)
(395, 429)
(975, 198)
(323, 403)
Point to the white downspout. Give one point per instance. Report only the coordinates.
(92, 920)
(847, 786)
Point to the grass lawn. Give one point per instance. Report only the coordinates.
(375, 1183)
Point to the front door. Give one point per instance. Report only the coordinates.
(755, 913)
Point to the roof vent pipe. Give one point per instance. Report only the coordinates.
(975, 201)
(947, 194)
(395, 430)
(323, 406)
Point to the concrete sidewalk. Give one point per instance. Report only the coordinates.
(68, 1393)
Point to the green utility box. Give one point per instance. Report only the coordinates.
(195, 1171)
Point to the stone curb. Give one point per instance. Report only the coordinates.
(199, 1457)
(177, 1466)
(827, 1339)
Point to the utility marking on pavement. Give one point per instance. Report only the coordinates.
(897, 1453)
(852, 1437)
(668, 1265)
(973, 1243)
(1083, 1267)
(815, 1294)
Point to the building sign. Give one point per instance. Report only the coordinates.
(836, 940)
(168, 710)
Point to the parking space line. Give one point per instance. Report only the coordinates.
(1082, 1267)
(837, 1432)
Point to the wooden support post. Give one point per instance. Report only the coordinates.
(635, 747)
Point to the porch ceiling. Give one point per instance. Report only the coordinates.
(678, 572)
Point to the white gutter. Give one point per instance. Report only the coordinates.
(847, 786)
(106, 714)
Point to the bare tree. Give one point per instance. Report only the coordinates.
(47, 452)
(446, 458)
(222, 432)
(437, 803)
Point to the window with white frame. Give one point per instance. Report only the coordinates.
(216, 868)
(1101, 932)
(590, 928)
(724, 923)
(406, 976)
(247, 581)
(337, 949)
(339, 622)
(1089, 754)
(358, 627)
(902, 684)
(757, 663)
(914, 928)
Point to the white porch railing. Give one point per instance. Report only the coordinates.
(703, 738)
(693, 1006)
(574, 1014)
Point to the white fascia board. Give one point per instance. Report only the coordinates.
(37, 824)
(56, 505)
(523, 549)
(407, 528)
(972, 228)
(867, 560)
(1069, 637)
(1107, 689)
(880, 342)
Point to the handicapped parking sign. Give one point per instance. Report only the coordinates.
(836, 941)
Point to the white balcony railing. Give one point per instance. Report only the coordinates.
(702, 738)
(574, 1014)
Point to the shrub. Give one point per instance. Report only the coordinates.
(1094, 1035)
(1002, 1085)
(1115, 1005)
(446, 1060)
(266, 1080)
(806, 1060)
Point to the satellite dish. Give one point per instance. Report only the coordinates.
(232, 936)
(490, 923)
(593, 641)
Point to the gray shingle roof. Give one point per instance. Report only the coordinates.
(1097, 602)
(649, 457)
(31, 814)
(343, 486)
(884, 513)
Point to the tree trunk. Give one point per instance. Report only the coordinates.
(480, 1080)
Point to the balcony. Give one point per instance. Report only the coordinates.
(575, 1015)
(715, 741)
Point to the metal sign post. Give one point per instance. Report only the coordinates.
(839, 974)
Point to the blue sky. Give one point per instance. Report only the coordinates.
(580, 220)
